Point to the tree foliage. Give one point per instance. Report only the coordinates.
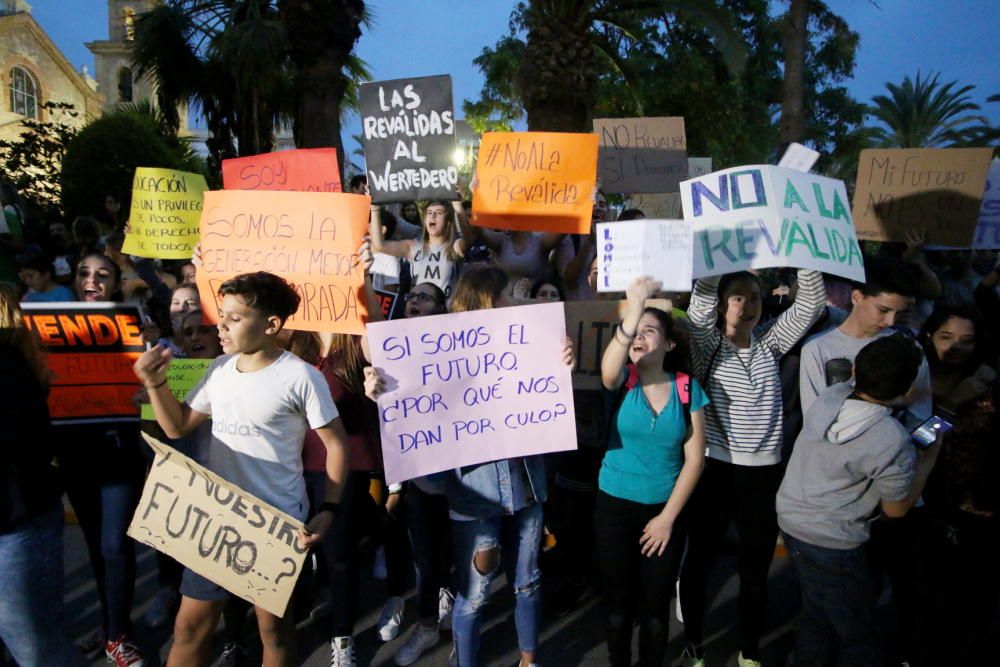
(33, 162)
(101, 159)
(926, 113)
(681, 60)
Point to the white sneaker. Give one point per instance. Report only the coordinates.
(391, 618)
(446, 602)
(422, 639)
(342, 652)
(379, 571)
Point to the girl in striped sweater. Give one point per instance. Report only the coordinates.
(738, 367)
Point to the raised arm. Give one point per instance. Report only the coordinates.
(702, 315)
(616, 353)
(580, 261)
(175, 418)
(463, 244)
(793, 324)
(379, 244)
(551, 241)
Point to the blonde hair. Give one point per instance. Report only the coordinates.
(14, 333)
(479, 288)
(450, 225)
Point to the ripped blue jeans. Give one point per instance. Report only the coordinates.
(514, 541)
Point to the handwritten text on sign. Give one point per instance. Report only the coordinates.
(472, 387)
(591, 324)
(90, 350)
(308, 238)
(764, 216)
(937, 190)
(641, 154)
(182, 377)
(166, 207)
(408, 131)
(536, 181)
(301, 170)
(660, 249)
(218, 530)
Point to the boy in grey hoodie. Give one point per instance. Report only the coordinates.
(851, 459)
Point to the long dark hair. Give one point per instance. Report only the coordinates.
(937, 319)
(678, 360)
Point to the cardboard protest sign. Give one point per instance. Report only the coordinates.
(301, 170)
(182, 376)
(218, 530)
(641, 154)
(938, 190)
(166, 207)
(90, 348)
(408, 132)
(591, 324)
(660, 249)
(536, 181)
(667, 205)
(472, 387)
(762, 216)
(390, 303)
(308, 238)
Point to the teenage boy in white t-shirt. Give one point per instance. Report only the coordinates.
(261, 400)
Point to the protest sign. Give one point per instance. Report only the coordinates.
(591, 324)
(218, 530)
(90, 349)
(301, 170)
(660, 249)
(938, 190)
(536, 181)
(389, 303)
(763, 216)
(667, 205)
(166, 207)
(308, 238)
(798, 157)
(472, 387)
(641, 154)
(182, 376)
(988, 228)
(408, 132)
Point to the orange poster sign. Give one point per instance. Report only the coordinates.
(308, 238)
(536, 181)
(90, 349)
(301, 170)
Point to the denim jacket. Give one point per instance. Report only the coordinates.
(485, 490)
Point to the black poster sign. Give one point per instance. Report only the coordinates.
(408, 128)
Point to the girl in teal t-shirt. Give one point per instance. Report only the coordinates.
(652, 465)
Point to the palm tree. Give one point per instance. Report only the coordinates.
(925, 113)
(234, 61)
(325, 70)
(570, 42)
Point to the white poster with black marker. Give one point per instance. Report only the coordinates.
(408, 131)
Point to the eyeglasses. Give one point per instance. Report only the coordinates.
(419, 297)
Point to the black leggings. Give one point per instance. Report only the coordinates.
(746, 495)
(635, 585)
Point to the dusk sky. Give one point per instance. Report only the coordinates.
(424, 37)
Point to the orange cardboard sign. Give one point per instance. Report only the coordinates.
(308, 238)
(301, 170)
(90, 350)
(536, 181)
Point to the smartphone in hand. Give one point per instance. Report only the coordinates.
(926, 434)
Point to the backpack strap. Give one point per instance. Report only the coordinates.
(682, 381)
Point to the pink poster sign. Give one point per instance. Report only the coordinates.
(469, 388)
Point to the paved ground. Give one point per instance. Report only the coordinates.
(576, 639)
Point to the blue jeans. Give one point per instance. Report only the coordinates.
(31, 593)
(516, 539)
(837, 625)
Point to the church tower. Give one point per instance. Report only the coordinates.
(113, 57)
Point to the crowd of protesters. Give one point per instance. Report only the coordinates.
(784, 404)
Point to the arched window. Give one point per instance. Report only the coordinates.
(128, 19)
(23, 93)
(125, 85)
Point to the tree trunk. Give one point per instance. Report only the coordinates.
(792, 126)
(323, 34)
